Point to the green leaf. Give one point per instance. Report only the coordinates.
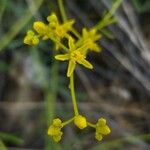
(7, 137)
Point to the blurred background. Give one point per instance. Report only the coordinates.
(34, 88)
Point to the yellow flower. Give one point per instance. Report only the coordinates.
(80, 121)
(55, 130)
(91, 37)
(101, 129)
(42, 29)
(59, 30)
(53, 30)
(53, 20)
(31, 38)
(74, 55)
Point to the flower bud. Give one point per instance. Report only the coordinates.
(80, 121)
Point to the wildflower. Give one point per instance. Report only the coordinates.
(42, 29)
(31, 38)
(59, 30)
(53, 30)
(91, 37)
(101, 129)
(53, 20)
(74, 55)
(55, 130)
(80, 121)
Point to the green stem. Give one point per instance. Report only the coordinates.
(76, 33)
(73, 95)
(108, 17)
(64, 18)
(60, 44)
(91, 125)
(62, 10)
(67, 122)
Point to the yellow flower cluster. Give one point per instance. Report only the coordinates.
(52, 30)
(75, 53)
(90, 37)
(81, 122)
(31, 38)
(101, 129)
(55, 130)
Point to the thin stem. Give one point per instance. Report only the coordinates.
(60, 44)
(108, 16)
(67, 122)
(62, 10)
(76, 33)
(64, 18)
(91, 125)
(73, 95)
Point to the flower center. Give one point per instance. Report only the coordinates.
(59, 31)
(76, 55)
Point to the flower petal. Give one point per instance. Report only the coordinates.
(71, 68)
(57, 138)
(101, 122)
(85, 33)
(62, 57)
(67, 25)
(92, 32)
(71, 44)
(83, 48)
(85, 63)
(104, 130)
(96, 48)
(39, 27)
(98, 136)
(52, 18)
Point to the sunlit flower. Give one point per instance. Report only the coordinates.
(53, 20)
(101, 129)
(55, 130)
(52, 30)
(91, 37)
(59, 30)
(74, 55)
(80, 121)
(31, 38)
